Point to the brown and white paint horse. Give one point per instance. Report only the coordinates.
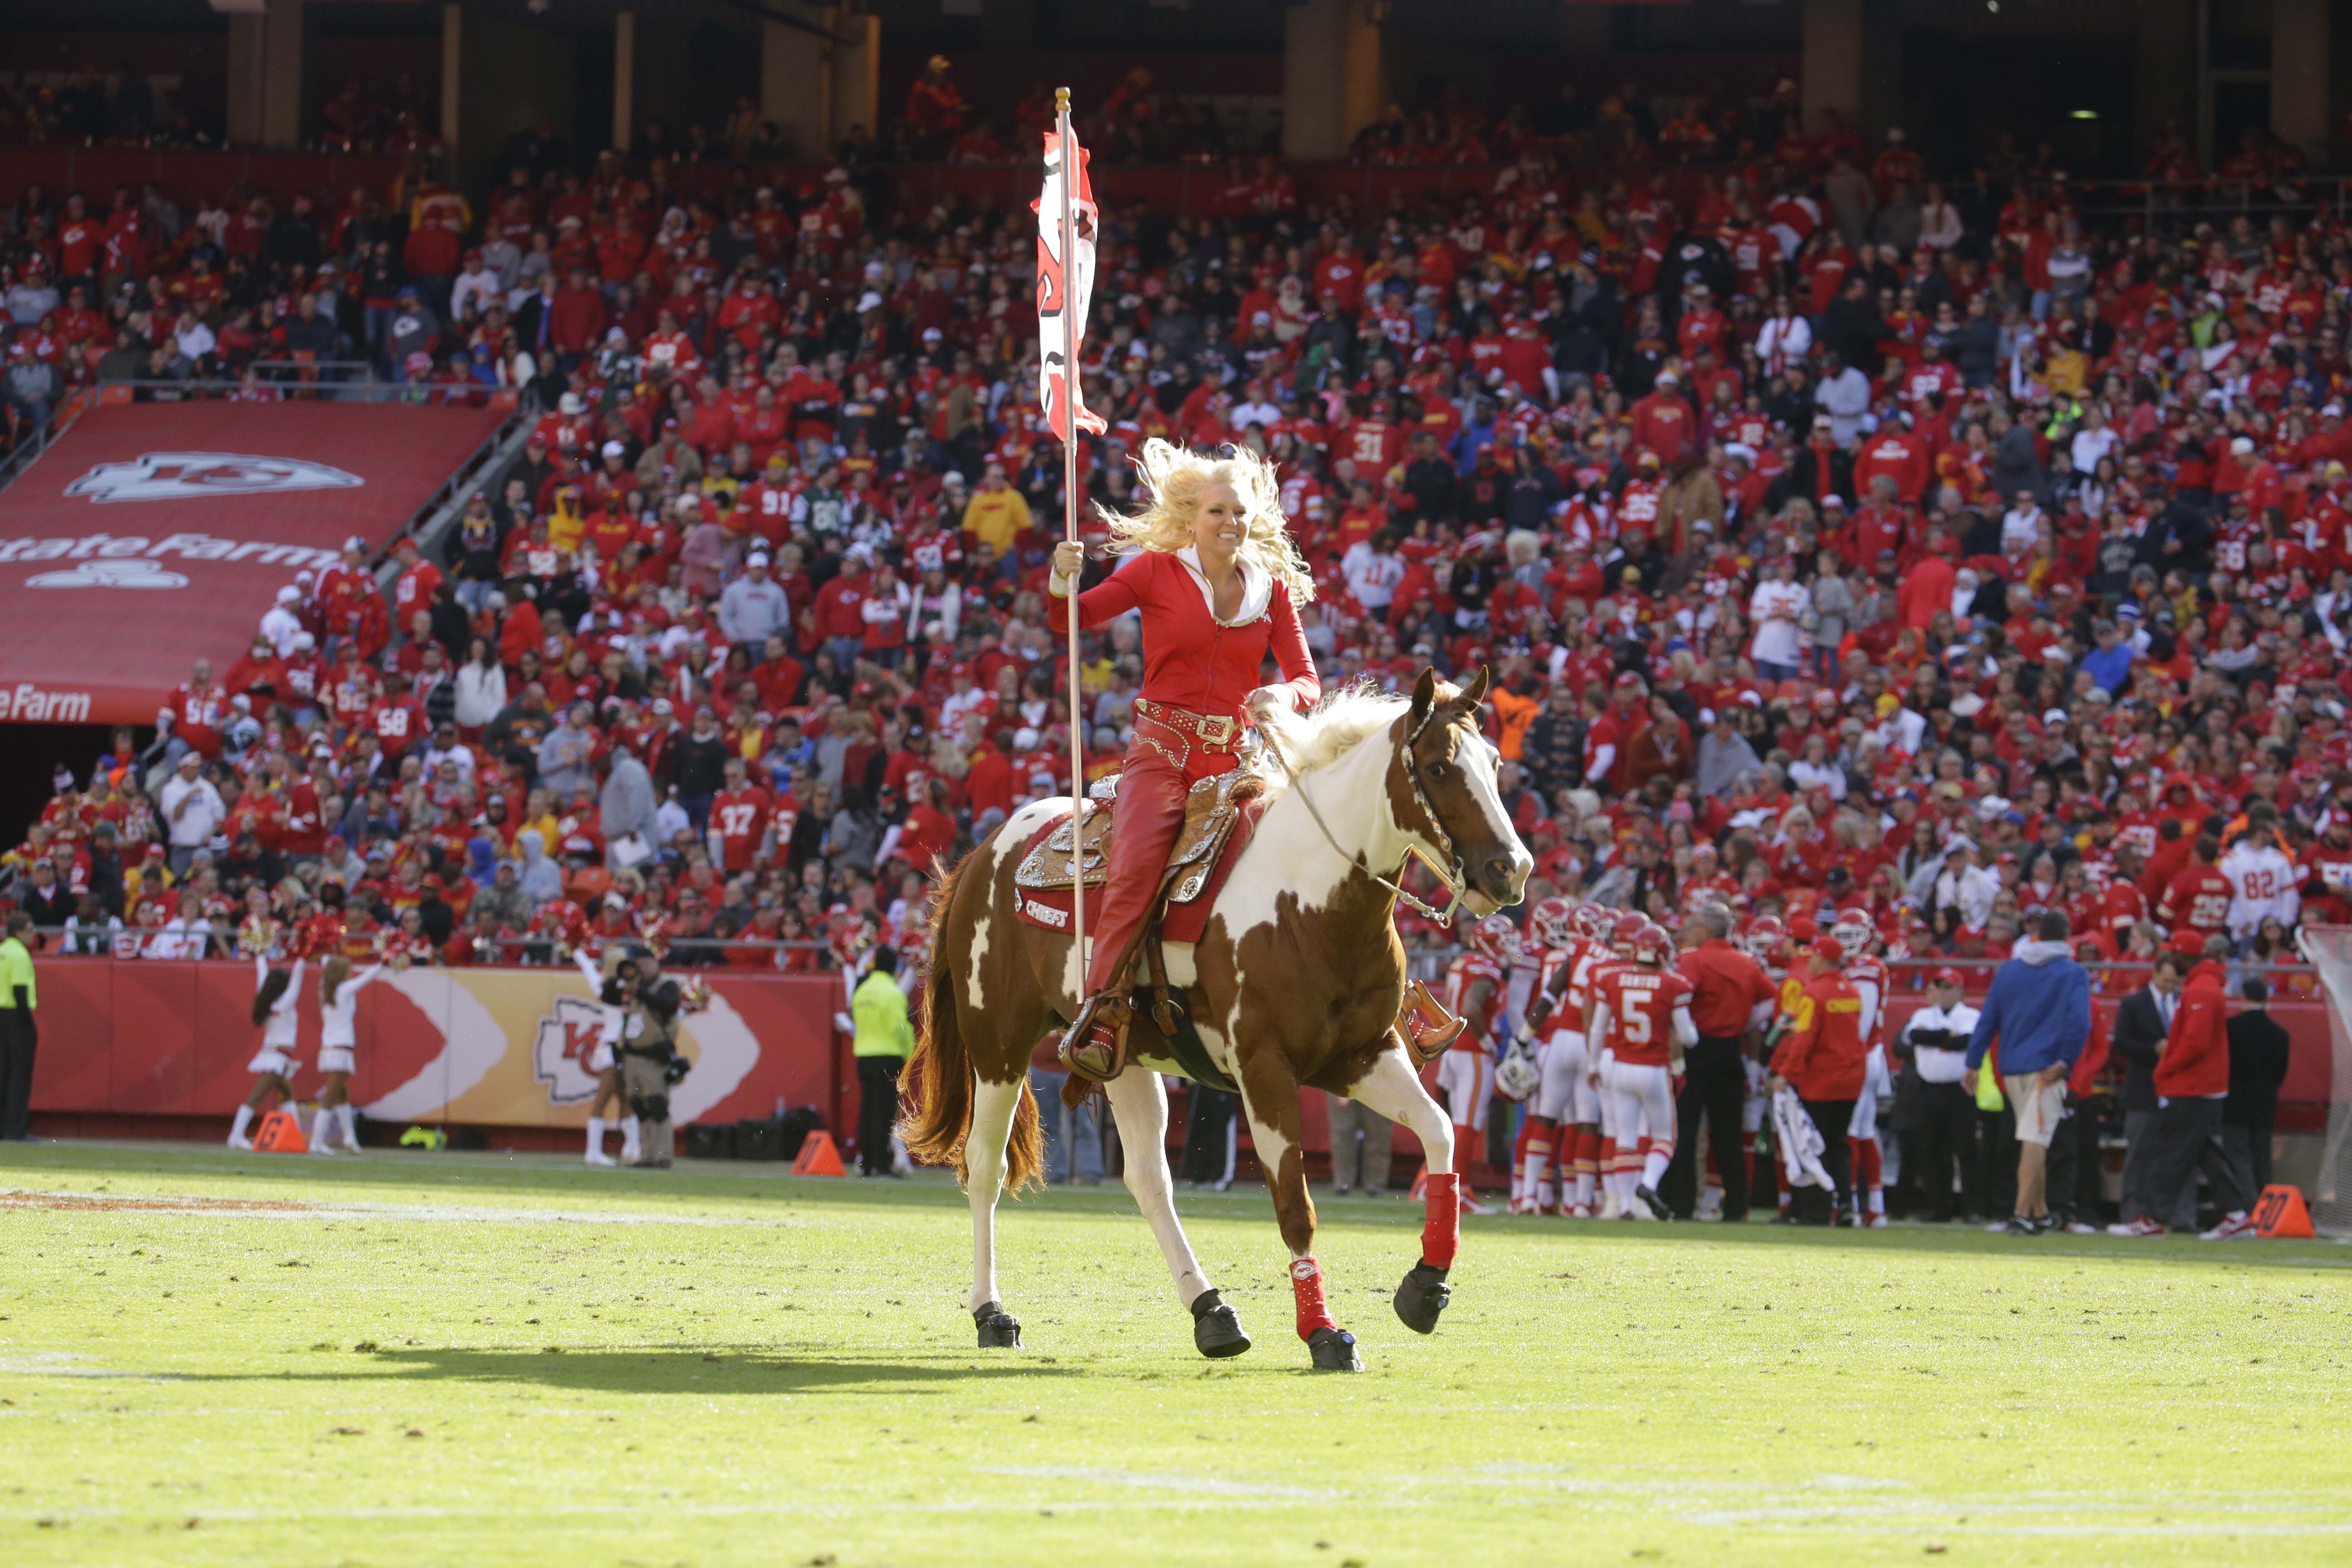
(1294, 983)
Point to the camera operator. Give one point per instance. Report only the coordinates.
(649, 1003)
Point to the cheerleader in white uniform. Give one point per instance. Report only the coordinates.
(339, 1000)
(277, 1009)
(605, 1063)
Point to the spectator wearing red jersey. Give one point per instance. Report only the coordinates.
(576, 317)
(195, 712)
(2197, 897)
(1662, 421)
(257, 673)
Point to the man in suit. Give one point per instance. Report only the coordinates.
(2143, 1019)
(2257, 1057)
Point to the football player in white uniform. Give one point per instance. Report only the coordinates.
(1550, 925)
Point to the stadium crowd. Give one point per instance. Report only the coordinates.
(1839, 537)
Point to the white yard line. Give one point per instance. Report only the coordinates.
(183, 1206)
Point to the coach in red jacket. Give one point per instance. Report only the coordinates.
(2192, 1079)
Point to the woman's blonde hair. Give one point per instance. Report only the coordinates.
(331, 975)
(1172, 479)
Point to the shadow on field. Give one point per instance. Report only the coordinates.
(663, 1369)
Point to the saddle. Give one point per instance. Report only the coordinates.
(1218, 814)
(1213, 808)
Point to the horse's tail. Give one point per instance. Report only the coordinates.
(935, 1089)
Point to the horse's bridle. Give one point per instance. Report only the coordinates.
(1456, 881)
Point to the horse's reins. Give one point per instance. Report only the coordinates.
(1449, 874)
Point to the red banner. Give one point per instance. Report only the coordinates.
(152, 535)
(499, 1047)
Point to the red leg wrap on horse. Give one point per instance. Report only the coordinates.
(1440, 1225)
(1148, 813)
(1306, 1286)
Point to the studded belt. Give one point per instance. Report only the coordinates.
(1221, 732)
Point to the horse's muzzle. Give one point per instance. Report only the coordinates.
(1503, 877)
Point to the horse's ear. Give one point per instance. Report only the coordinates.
(1475, 692)
(1424, 692)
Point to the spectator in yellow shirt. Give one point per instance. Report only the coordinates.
(997, 513)
(566, 524)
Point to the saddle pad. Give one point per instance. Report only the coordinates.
(1189, 902)
(1210, 809)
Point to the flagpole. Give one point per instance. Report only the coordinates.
(1069, 434)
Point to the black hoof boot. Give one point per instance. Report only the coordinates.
(1217, 1328)
(1422, 1298)
(1334, 1349)
(999, 1329)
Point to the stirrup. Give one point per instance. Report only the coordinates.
(1093, 1047)
(1429, 1029)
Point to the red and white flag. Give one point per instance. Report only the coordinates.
(1063, 283)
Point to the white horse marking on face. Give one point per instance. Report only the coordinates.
(1482, 764)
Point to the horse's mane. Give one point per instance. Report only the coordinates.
(1319, 737)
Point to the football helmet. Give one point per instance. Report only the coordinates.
(1495, 938)
(1548, 924)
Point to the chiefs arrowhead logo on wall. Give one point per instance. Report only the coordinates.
(192, 475)
(566, 1038)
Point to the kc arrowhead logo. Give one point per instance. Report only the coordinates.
(562, 1047)
(192, 476)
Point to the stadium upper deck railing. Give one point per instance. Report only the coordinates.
(1424, 963)
(1195, 188)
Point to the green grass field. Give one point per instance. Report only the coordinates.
(446, 1358)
